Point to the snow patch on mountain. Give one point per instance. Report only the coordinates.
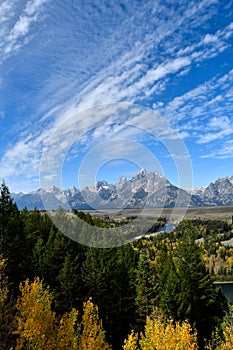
(142, 190)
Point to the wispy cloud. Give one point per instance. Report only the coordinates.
(16, 27)
(225, 151)
(210, 45)
(6, 8)
(205, 112)
(109, 132)
(220, 127)
(141, 52)
(24, 157)
(116, 150)
(129, 75)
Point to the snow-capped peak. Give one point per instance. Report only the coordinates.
(142, 172)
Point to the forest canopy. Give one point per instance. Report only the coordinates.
(58, 294)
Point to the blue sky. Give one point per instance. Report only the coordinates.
(62, 58)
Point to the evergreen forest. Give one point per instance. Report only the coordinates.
(156, 292)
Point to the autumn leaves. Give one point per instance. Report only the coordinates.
(38, 327)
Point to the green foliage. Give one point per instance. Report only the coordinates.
(7, 324)
(169, 272)
(147, 289)
(11, 237)
(106, 275)
(176, 280)
(199, 302)
(69, 292)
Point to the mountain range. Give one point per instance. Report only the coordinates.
(143, 190)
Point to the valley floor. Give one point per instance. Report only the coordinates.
(173, 214)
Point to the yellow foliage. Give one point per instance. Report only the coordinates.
(66, 336)
(36, 321)
(227, 344)
(92, 336)
(131, 342)
(161, 335)
(39, 329)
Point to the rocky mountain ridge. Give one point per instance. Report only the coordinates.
(143, 190)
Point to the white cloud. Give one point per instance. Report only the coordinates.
(209, 46)
(24, 157)
(14, 37)
(220, 123)
(204, 113)
(134, 72)
(206, 102)
(214, 136)
(155, 74)
(33, 6)
(210, 38)
(20, 29)
(128, 76)
(223, 152)
(106, 141)
(6, 8)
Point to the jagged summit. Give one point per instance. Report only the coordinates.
(142, 190)
(141, 172)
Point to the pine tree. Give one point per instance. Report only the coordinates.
(54, 256)
(143, 302)
(12, 238)
(147, 287)
(178, 283)
(69, 291)
(37, 227)
(7, 323)
(169, 287)
(108, 276)
(199, 301)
